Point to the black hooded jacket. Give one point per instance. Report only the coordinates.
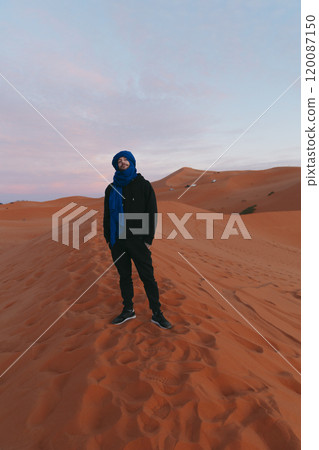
(139, 197)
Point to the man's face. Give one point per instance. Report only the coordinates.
(123, 163)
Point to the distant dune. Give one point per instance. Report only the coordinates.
(212, 381)
(233, 191)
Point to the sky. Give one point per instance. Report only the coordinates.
(176, 82)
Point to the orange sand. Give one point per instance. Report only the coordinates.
(211, 382)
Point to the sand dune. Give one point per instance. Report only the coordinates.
(234, 191)
(211, 382)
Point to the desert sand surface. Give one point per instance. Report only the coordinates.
(226, 376)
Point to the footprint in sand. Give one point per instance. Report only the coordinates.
(97, 411)
(58, 363)
(47, 400)
(288, 380)
(248, 344)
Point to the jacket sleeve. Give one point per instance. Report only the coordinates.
(106, 218)
(151, 209)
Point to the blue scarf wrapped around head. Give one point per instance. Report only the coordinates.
(121, 178)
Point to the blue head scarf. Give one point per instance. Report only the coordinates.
(121, 178)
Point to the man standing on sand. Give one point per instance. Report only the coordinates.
(138, 196)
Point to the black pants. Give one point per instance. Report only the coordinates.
(136, 250)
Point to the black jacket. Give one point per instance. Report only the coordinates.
(139, 197)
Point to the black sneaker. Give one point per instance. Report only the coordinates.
(125, 315)
(160, 320)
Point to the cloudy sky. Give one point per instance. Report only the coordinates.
(174, 81)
